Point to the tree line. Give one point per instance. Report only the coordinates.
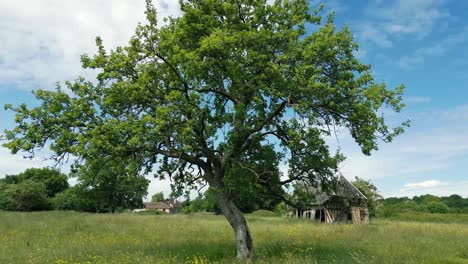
(386, 207)
(423, 203)
(38, 189)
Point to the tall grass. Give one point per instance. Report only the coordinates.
(69, 237)
(428, 217)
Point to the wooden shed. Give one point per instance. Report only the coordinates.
(345, 204)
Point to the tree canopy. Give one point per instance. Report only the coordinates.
(157, 197)
(111, 186)
(192, 98)
(54, 181)
(423, 203)
(27, 195)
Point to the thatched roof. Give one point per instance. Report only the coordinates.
(168, 204)
(344, 189)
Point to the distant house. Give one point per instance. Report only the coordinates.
(168, 206)
(345, 204)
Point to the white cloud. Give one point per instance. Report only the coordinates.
(14, 164)
(438, 48)
(438, 188)
(407, 62)
(412, 154)
(412, 17)
(458, 114)
(368, 32)
(417, 17)
(42, 40)
(391, 20)
(421, 151)
(335, 6)
(424, 184)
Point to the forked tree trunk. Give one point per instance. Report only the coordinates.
(238, 224)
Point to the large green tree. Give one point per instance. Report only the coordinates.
(111, 185)
(75, 198)
(53, 180)
(193, 97)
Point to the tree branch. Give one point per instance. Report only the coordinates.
(222, 92)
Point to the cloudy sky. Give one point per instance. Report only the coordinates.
(421, 43)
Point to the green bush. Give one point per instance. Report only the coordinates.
(76, 198)
(437, 207)
(282, 209)
(70, 199)
(24, 196)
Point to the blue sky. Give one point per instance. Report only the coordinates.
(420, 43)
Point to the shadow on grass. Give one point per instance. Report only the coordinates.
(274, 252)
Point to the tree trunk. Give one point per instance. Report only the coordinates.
(238, 224)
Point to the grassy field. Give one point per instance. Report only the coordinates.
(428, 217)
(69, 237)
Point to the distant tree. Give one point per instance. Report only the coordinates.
(5, 199)
(75, 198)
(426, 199)
(27, 195)
(112, 186)
(370, 191)
(455, 201)
(426, 203)
(394, 200)
(410, 206)
(158, 197)
(67, 200)
(193, 96)
(437, 207)
(54, 181)
(194, 205)
(205, 202)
